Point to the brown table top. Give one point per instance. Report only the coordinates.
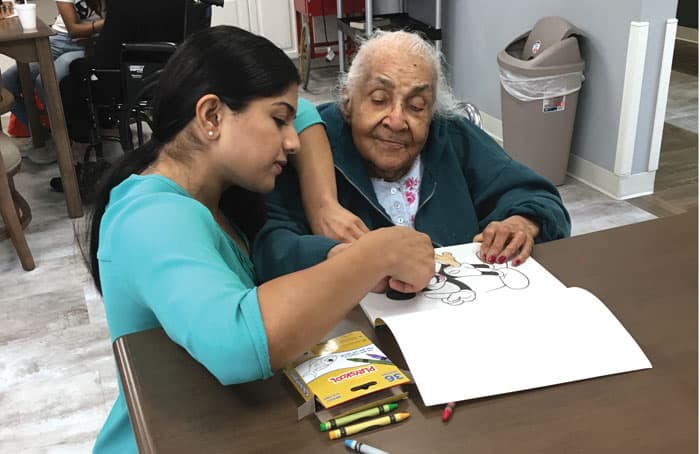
(11, 30)
(645, 273)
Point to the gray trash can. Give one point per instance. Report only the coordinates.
(541, 74)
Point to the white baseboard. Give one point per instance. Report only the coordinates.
(618, 187)
(493, 126)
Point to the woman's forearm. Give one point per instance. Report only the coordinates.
(314, 164)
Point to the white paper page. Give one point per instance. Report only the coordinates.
(466, 281)
(513, 344)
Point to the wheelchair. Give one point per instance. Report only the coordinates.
(110, 92)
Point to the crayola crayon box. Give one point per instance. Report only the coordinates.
(344, 375)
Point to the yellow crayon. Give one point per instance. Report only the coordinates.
(345, 420)
(366, 425)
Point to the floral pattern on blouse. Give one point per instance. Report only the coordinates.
(400, 198)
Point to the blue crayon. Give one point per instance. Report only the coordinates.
(362, 447)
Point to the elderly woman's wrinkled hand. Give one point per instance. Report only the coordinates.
(334, 221)
(510, 239)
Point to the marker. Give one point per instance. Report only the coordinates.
(447, 412)
(370, 361)
(362, 447)
(367, 425)
(370, 412)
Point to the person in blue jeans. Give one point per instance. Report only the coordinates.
(76, 19)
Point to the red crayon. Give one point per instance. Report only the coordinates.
(447, 412)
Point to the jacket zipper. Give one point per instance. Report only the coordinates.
(381, 211)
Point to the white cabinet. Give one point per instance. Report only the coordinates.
(273, 19)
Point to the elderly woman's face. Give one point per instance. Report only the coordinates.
(390, 113)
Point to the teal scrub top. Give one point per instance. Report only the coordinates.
(165, 262)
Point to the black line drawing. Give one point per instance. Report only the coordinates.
(456, 283)
(316, 367)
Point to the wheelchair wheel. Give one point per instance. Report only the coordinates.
(304, 52)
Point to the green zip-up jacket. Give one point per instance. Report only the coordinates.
(468, 181)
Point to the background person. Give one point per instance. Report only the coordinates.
(76, 19)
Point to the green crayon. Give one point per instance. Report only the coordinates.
(370, 412)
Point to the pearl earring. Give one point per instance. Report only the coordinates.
(210, 133)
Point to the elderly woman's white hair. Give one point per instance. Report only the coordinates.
(445, 102)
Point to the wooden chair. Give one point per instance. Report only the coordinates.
(14, 210)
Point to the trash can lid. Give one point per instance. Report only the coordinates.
(547, 32)
(550, 48)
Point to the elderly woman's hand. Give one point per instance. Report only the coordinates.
(334, 221)
(510, 239)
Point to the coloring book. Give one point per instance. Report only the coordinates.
(480, 330)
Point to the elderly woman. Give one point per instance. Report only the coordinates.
(404, 155)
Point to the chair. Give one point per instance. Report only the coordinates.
(471, 113)
(112, 88)
(14, 210)
(128, 57)
(123, 97)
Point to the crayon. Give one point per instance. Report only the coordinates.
(362, 448)
(367, 425)
(447, 412)
(372, 355)
(370, 361)
(370, 412)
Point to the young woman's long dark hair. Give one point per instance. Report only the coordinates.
(229, 62)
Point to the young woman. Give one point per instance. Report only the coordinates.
(172, 226)
(76, 19)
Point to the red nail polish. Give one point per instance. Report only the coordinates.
(516, 262)
(501, 260)
(492, 259)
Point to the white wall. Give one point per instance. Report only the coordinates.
(46, 11)
(274, 19)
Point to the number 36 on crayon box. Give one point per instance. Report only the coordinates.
(344, 375)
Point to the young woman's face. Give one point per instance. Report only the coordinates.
(255, 142)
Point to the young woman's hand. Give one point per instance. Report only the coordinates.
(410, 258)
(510, 239)
(334, 221)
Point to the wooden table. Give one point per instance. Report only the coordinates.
(33, 46)
(646, 274)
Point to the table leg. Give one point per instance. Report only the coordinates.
(58, 129)
(25, 79)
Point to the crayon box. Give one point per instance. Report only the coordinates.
(344, 375)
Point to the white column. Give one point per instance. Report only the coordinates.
(662, 94)
(631, 97)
